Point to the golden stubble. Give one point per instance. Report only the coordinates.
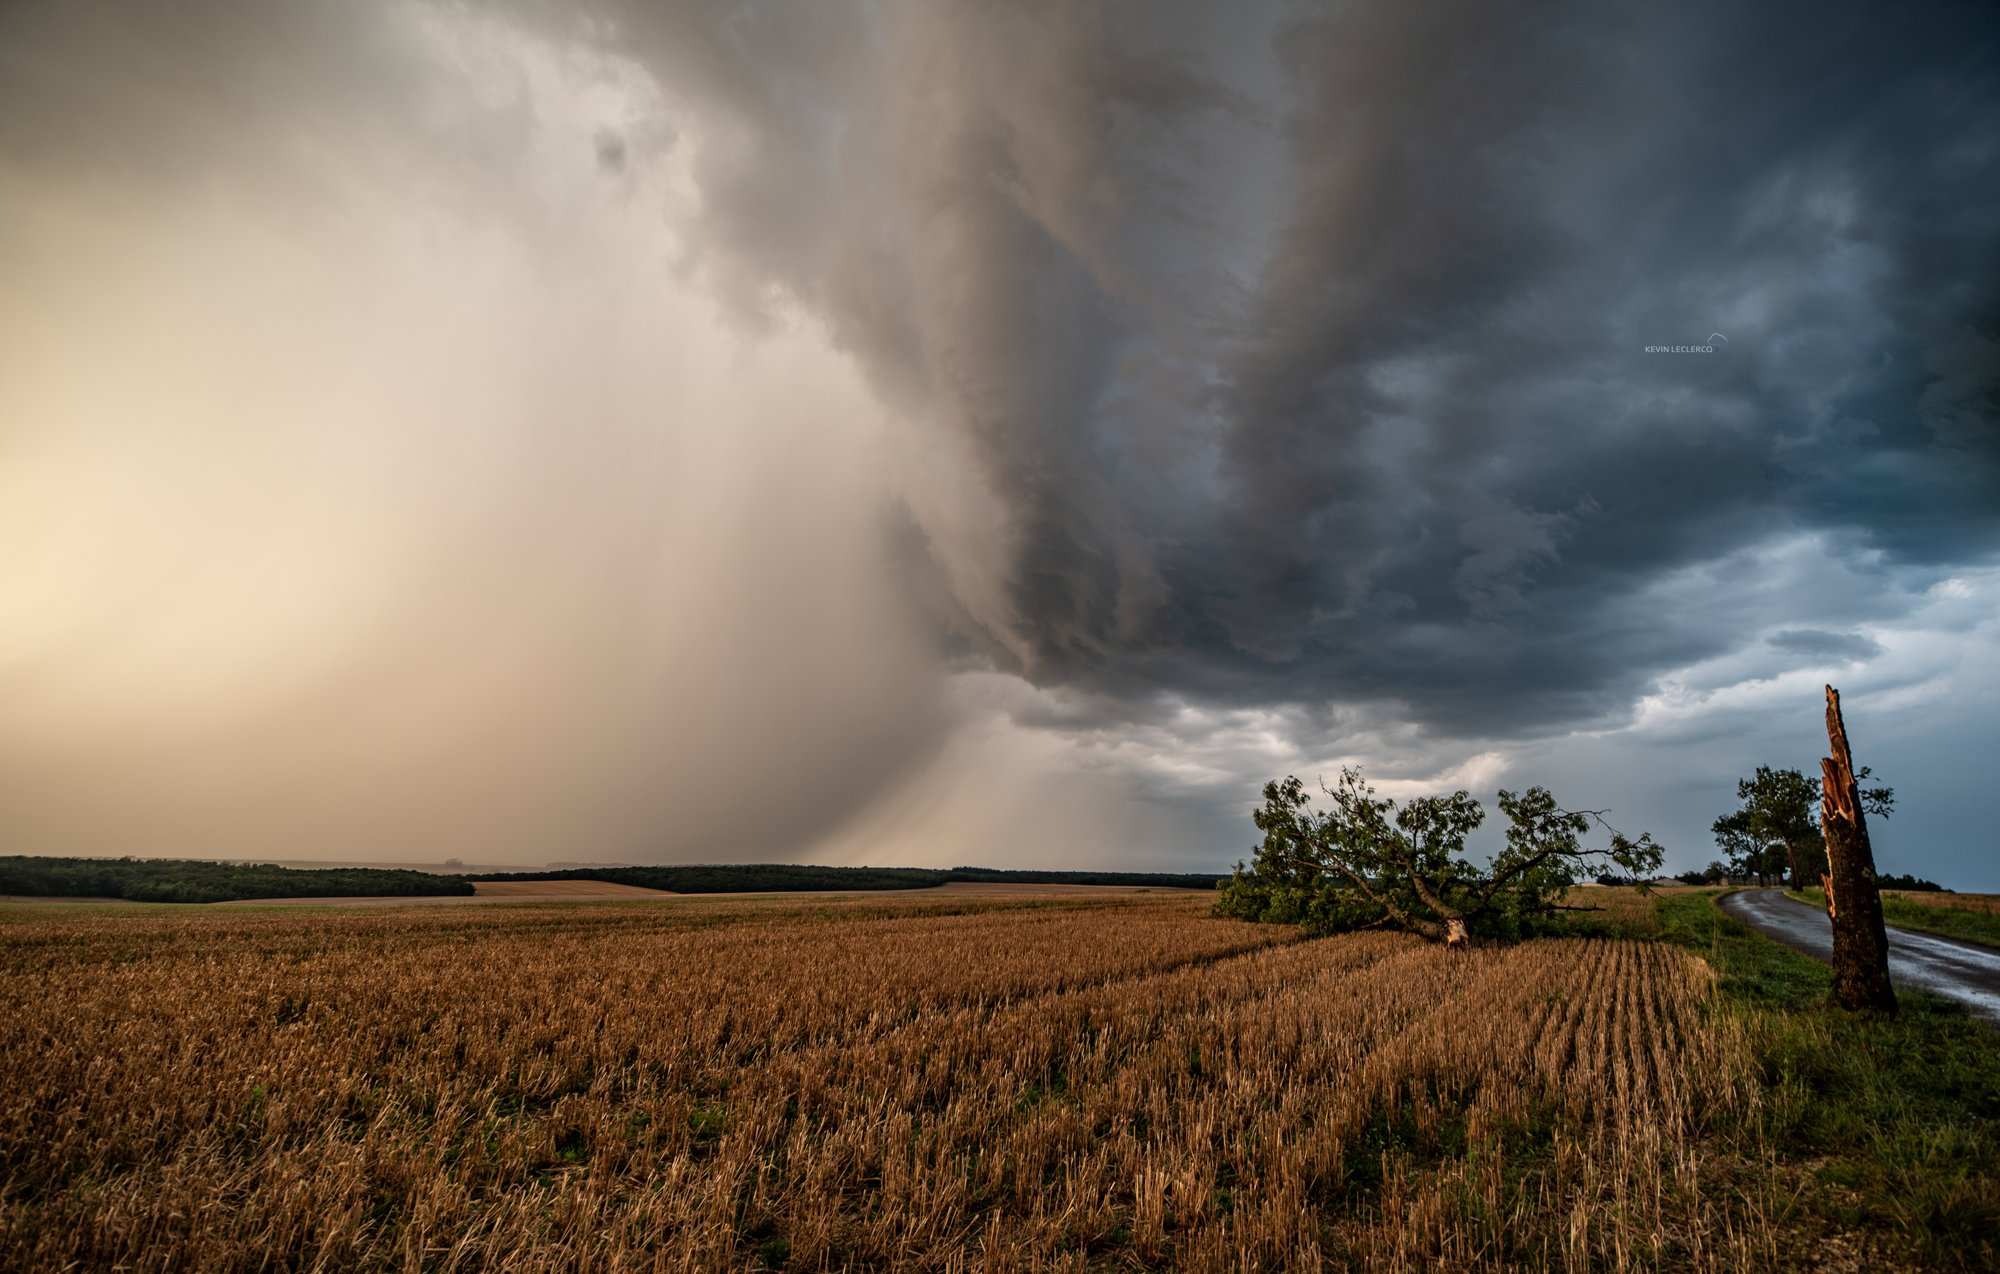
(925, 1084)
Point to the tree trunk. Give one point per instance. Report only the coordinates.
(1860, 943)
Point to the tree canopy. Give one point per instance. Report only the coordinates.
(1364, 862)
(1775, 830)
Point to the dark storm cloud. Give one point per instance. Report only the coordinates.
(987, 204)
(1270, 381)
(1814, 644)
(1496, 211)
(1411, 448)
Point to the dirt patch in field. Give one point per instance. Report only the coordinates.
(487, 893)
(956, 888)
(484, 891)
(562, 889)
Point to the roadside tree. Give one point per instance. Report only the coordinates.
(1775, 830)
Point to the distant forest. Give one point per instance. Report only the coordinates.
(190, 880)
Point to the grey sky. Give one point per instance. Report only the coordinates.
(1002, 433)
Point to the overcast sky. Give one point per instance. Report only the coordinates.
(943, 433)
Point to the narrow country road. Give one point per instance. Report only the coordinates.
(1945, 966)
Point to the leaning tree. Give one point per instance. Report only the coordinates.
(1363, 862)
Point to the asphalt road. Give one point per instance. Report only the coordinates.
(1945, 966)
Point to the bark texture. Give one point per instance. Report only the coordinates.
(1860, 942)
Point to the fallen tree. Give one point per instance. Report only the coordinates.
(1363, 862)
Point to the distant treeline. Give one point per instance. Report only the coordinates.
(185, 880)
(182, 880)
(1910, 882)
(725, 878)
(1716, 873)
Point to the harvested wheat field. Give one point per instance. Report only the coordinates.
(1110, 1083)
(1984, 904)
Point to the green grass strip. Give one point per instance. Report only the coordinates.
(1895, 1121)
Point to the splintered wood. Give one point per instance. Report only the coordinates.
(1860, 940)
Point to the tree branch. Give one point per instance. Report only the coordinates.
(1428, 928)
(1423, 889)
(1394, 843)
(1528, 864)
(1501, 878)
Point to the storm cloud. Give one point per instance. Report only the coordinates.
(1171, 395)
(1387, 429)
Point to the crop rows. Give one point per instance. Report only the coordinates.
(1063, 1085)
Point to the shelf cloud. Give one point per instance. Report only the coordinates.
(962, 431)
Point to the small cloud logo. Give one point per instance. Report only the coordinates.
(1706, 347)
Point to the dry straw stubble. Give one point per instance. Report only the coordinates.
(926, 1085)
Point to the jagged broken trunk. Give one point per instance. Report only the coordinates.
(1853, 903)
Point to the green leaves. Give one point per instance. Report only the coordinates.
(1364, 861)
(1776, 828)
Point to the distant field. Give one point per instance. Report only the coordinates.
(1985, 904)
(740, 878)
(274, 884)
(517, 891)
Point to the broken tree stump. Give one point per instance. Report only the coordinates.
(1860, 941)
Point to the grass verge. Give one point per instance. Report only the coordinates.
(1940, 918)
(1891, 1126)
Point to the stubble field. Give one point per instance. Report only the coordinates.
(937, 1083)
